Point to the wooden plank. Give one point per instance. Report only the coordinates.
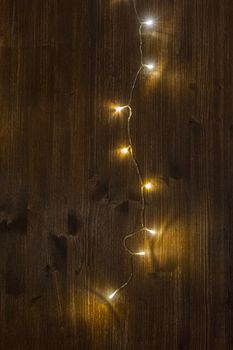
(67, 200)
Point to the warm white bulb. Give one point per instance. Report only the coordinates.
(124, 150)
(149, 22)
(118, 109)
(111, 296)
(148, 186)
(149, 66)
(153, 232)
(140, 253)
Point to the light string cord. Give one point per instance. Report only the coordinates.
(130, 150)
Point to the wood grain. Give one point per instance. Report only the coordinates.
(67, 200)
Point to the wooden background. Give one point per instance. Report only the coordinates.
(66, 198)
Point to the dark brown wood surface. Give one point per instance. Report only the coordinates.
(66, 198)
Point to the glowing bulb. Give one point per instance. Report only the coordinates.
(111, 296)
(153, 232)
(140, 253)
(125, 150)
(149, 66)
(118, 109)
(148, 186)
(149, 22)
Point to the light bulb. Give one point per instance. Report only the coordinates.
(111, 296)
(153, 232)
(148, 186)
(118, 109)
(149, 22)
(149, 66)
(140, 253)
(125, 150)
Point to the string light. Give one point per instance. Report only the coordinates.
(140, 253)
(153, 232)
(148, 186)
(118, 109)
(125, 150)
(111, 296)
(149, 22)
(149, 66)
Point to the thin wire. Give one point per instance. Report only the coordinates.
(128, 280)
(133, 86)
(136, 11)
(130, 235)
(140, 30)
(141, 43)
(137, 167)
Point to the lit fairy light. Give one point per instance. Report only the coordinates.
(151, 231)
(112, 295)
(149, 22)
(125, 150)
(118, 109)
(150, 66)
(148, 186)
(129, 150)
(140, 253)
